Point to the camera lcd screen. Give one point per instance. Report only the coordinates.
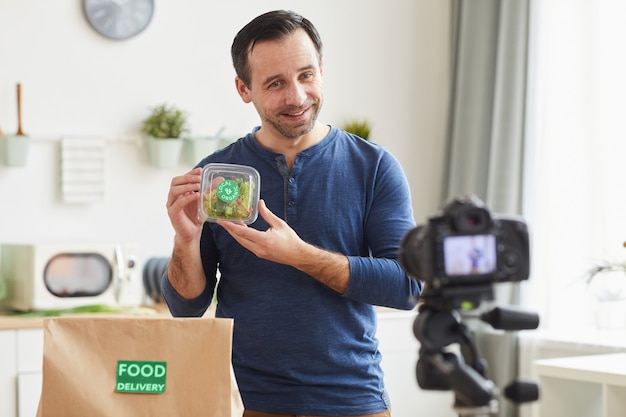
(469, 255)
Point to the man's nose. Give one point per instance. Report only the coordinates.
(295, 95)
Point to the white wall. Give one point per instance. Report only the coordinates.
(385, 60)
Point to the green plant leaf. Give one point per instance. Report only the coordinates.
(165, 121)
(361, 128)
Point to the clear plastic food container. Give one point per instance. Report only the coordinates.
(229, 192)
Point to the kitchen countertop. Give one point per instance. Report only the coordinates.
(12, 322)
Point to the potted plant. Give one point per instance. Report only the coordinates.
(164, 128)
(607, 284)
(361, 128)
(195, 148)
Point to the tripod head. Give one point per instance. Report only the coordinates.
(449, 358)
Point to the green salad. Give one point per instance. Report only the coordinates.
(230, 199)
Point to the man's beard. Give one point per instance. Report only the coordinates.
(296, 131)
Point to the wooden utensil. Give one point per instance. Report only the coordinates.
(19, 110)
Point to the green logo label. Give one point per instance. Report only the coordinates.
(227, 191)
(141, 377)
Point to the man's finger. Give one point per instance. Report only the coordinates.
(270, 218)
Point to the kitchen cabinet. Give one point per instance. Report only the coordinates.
(8, 371)
(21, 353)
(28, 393)
(29, 361)
(583, 386)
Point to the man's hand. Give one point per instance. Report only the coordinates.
(281, 244)
(185, 272)
(182, 205)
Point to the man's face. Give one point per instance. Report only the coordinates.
(286, 84)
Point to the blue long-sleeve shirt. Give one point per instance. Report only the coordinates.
(298, 346)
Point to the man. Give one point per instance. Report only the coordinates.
(300, 282)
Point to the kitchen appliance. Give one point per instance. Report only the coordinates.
(64, 275)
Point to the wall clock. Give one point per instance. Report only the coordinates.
(118, 19)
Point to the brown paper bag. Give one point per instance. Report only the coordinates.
(181, 366)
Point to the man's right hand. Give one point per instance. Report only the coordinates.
(185, 272)
(182, 205)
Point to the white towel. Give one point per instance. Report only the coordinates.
(82, 169)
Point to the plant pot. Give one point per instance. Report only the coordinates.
(15, 150)
(610, 314)
(164, 152)
(197, 148)
(608, 289)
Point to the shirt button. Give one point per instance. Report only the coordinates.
(291, 203)
(292, 180)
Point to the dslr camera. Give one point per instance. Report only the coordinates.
(464, 249)
(459, 253)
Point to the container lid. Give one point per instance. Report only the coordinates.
(229, 192)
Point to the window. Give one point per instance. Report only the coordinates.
(575, 196)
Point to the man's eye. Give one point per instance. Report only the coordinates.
(275, 84)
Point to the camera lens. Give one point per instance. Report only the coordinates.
(409, 252)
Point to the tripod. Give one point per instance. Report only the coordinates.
(438, 326)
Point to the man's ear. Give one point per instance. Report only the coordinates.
(243, 90)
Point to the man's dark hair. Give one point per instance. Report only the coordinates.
(268, 26)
